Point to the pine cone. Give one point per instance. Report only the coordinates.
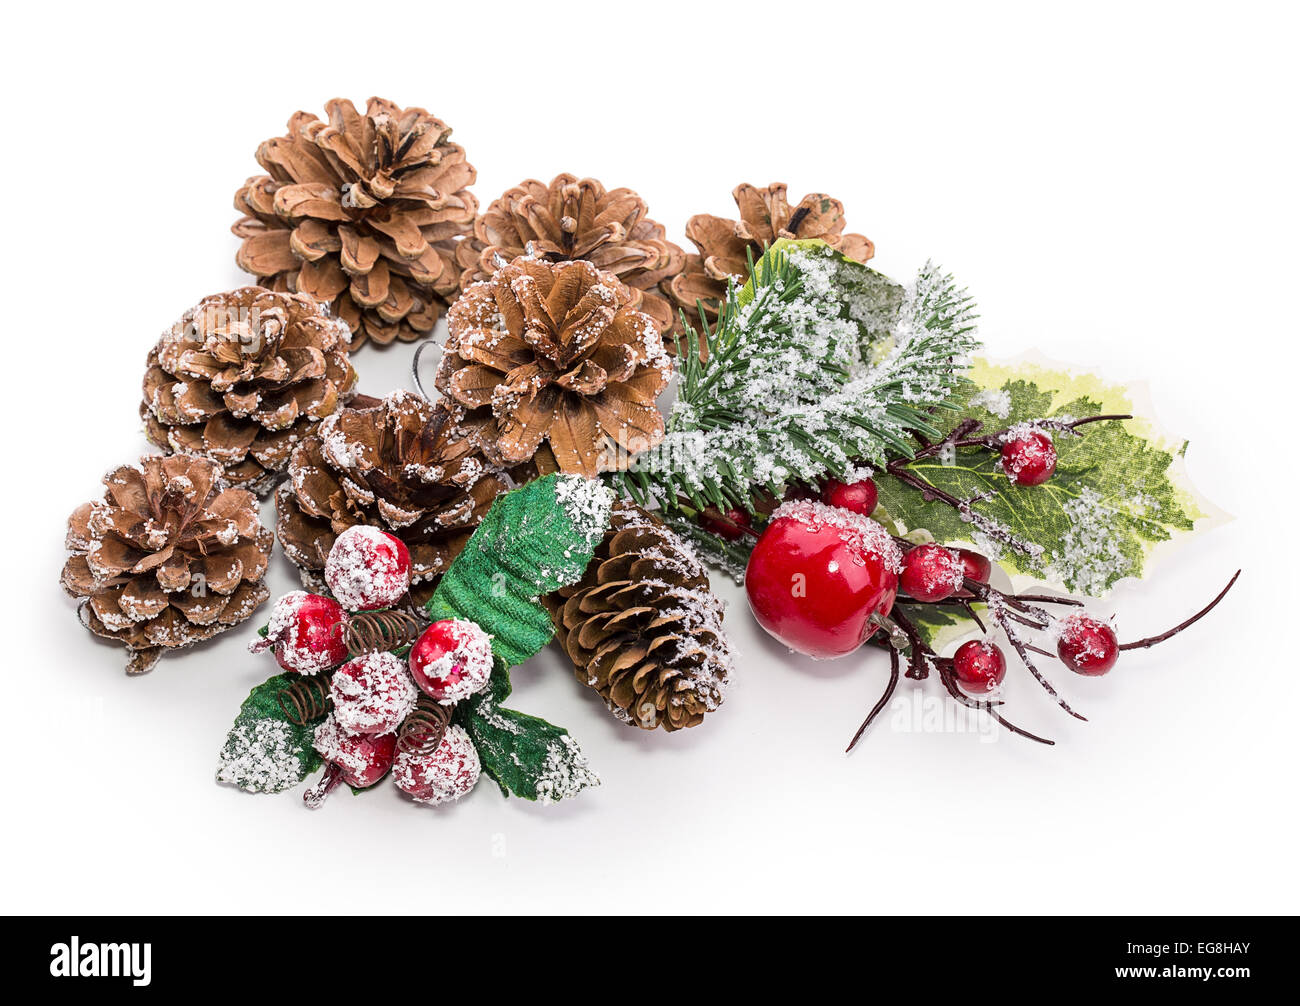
(554, 351)
(397, 464)
(642, 627)
(168, 558)
(362, 212)
(765, 215)
(572, 219)
(242, 377)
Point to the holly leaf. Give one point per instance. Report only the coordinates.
(534, 540)
(264, 752)
(523, 754)
(1118, 490)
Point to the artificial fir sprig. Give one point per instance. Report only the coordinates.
(798, 381)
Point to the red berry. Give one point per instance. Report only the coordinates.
(979, 666)
(860, 497)
(452, 660)
(818, 574)
(368, 568)
(931, 573)
(364, 759)
(977, 566)
(731, 525)
(1087, 645)
(447, 774)
(1029, 460)
(305, 632)
(372, 694)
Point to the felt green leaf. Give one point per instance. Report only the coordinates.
(534, 540)
(523, 754)
(1118, 490)
(264, 752)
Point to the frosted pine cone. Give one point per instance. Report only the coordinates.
(571, 219)
(555, 352)
(167, 558)
(242, 378)
(765, 215)
(362, 212)
(642, 627)
(397, 464)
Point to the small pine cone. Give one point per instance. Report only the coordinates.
(642, 628)
(363, 212)
(765, 215)
(572, 219)
(398, 464)
(555, 352)
(167, 558)
(244, 376)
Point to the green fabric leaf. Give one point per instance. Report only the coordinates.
(264, 752)
(1116, 494)
(534, 540)
(523, 754)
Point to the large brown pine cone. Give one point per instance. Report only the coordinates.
(244, 376)
(572, 219)
(642, 627)
(555, 352)
(397, 464)
(167, 558)
(362, 212)
(765, 215)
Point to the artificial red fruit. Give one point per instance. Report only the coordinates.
(731, 525)
(818, 574)
(979, 666)
(860, 497)
(977, 567)
(372, 694)
(1087, 645)
(368, 568)
(355, 759)
(452, 660)
(1029, 459)
(447, 773)
(931, 573)
(305, 632)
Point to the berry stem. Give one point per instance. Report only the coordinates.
(884, 699)
(946, 676)
(1150, 641)
(315, 796)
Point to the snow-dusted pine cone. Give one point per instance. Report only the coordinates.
(242, 378)
(642, 627)
(572, 219)
(167, 558)
(362, 212)
(397, 464)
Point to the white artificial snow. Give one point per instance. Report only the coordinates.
(260, 758)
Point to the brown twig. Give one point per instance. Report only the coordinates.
(1150, 641)
(883, 701)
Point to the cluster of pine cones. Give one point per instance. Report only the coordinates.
(562, 299)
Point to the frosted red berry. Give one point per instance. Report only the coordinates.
(977, 567)
(1087, 645)
(305, 632)
(816, 576)
(446, 774)
(1029, 460)
(368, 568)
(372, 694)
(731, 525)
(979, 666)
(931, 573)
(451, 660)
(860, 497)
(363, 759)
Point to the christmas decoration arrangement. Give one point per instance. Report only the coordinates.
(609, 417)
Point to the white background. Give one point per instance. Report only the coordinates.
(1116, 186)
